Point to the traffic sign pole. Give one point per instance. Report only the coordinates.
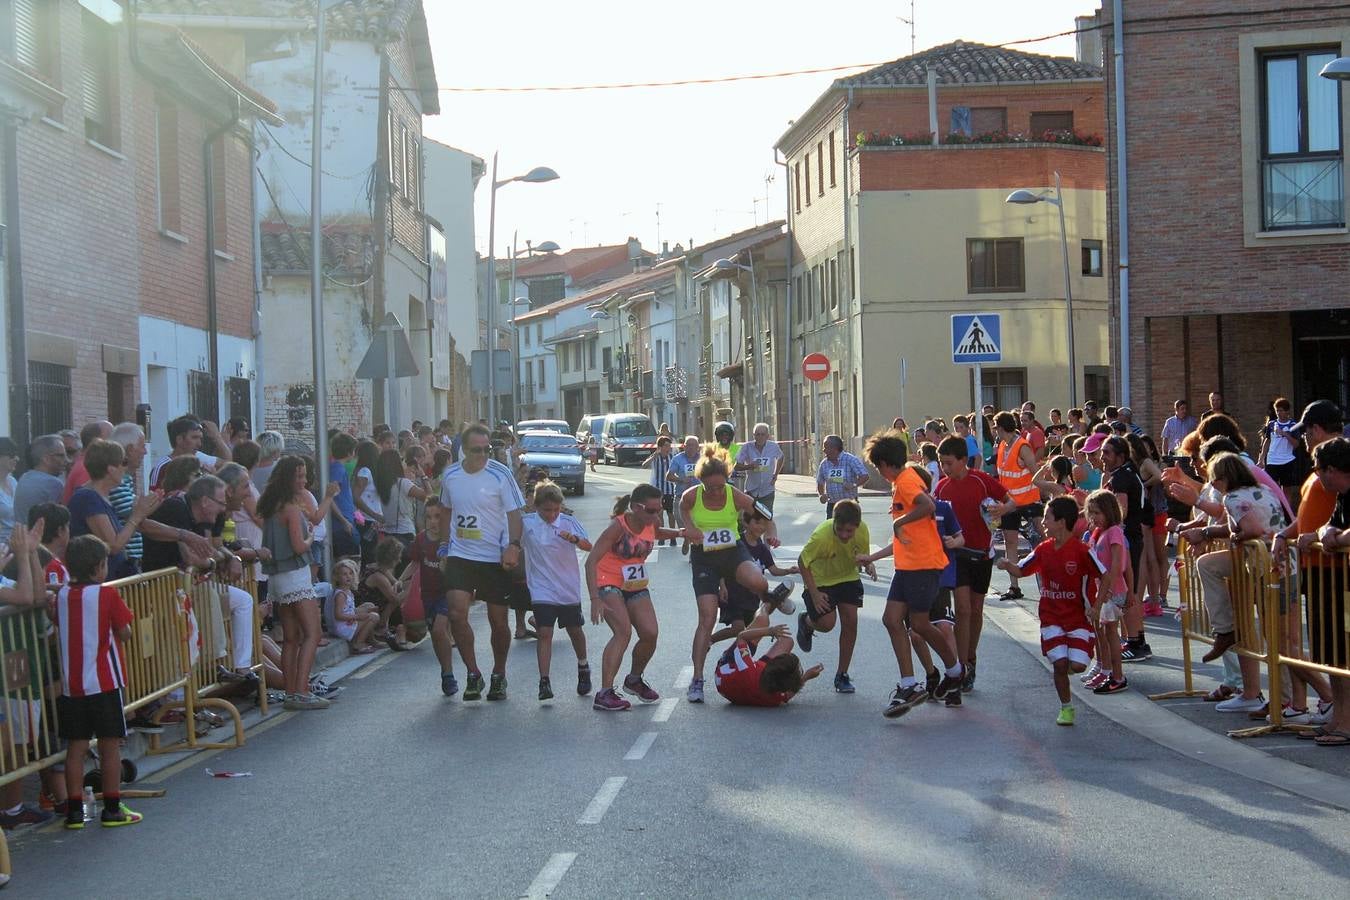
(815, 368)
(979, 405)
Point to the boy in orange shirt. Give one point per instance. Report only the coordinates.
(919, 561)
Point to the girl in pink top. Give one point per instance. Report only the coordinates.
(1108, 545)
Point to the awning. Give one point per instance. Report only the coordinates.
(735, 370)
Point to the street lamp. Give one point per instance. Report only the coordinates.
(758, 342)
(1337, 70)
(535, 176)
(1025, 197)
(545, 247)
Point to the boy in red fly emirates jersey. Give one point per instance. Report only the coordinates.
(773, 679)
(1063, 565)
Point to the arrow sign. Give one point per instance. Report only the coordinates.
(977, 338)
(816, 367)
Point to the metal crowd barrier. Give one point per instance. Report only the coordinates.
(1193, 614)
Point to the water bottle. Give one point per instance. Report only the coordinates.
(90, 806)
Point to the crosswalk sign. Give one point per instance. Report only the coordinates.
(977, 338)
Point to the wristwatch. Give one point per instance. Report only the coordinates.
(515, 543)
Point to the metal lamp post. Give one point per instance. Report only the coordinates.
(534, 176)
(1025, 197)
(545, 247)
(758, 342)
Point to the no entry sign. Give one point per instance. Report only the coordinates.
(816, 367)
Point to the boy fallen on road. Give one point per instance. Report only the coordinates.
(773, 679)
(1063, 564)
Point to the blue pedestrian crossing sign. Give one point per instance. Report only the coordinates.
(976, 338)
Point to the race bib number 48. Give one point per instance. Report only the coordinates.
(466, 528)
(719, 539)
(635, 577)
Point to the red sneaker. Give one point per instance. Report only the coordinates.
(608, 701)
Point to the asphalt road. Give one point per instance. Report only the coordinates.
(399, 792)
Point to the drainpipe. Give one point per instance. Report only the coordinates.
(848, 261)
(785, 339)
(1122, 197)
(259, 381)
(19, 422)
(212, 305)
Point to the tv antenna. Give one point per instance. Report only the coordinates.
(910, 23)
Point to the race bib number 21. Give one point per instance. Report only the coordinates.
(635, 577)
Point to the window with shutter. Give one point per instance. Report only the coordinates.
(26, 40)
(994, 264)
(166, 160)
(96, 79)
(403, 158)
(395, 155)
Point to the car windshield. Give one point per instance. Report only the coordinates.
(631, 428)
(553, 442)
(559, 427)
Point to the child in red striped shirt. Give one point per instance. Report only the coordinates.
(92, 622)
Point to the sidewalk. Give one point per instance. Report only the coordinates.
(1164, 673)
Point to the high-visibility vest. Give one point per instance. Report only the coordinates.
(1013, 476)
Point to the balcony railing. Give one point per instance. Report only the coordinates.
(1302, 193)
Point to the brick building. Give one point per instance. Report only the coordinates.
(106, 188)
(1235, 213)
(893, 232)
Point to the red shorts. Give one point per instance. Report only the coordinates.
(1160, 523)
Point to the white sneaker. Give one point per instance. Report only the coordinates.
(1322, 714)
(1240, 704)
(1291, 716)
(695, 693)
(1091, 673)
(781, 597)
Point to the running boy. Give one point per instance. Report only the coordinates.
(773, 679)
(1064, 565)
(551, 539)
(942, 615)
(739, 605)
(435, 607)
(829, 565)
(93, 621)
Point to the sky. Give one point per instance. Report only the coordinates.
(673, 164)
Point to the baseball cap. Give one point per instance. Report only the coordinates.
(1323, 413)
(1094, 442)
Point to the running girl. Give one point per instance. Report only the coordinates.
(1108, 543)
(616, 574)
(711, 512)
(551, 539)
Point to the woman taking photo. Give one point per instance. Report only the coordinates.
(287, 535)
(399, 489)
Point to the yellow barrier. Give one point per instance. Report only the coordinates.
(1193, 614)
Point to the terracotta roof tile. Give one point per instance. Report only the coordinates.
(348, 250)
(962, 62)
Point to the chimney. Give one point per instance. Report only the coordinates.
(665, 249)
(1088, 39)
(634, 248)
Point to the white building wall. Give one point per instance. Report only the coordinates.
(449, 195)
(169, 350)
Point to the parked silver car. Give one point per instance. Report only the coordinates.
(559, 454)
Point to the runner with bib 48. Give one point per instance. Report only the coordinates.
(711, 512)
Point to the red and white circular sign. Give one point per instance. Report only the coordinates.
(816, 367)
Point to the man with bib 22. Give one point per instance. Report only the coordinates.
(711, 512)
(482, 503)
(1015, 460)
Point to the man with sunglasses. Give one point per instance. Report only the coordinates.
(483, 507)
(201, 510)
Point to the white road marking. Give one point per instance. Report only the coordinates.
(682, 679)
(549, 876)
(665, 708)
(800, 520)
(641, 745)
(600, 803)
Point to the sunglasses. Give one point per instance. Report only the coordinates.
(650, 510)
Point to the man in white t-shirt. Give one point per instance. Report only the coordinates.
(483, 505)
(761, 460)
(185, 439)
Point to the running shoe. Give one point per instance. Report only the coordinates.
(843, 684)
(779, 598)
(1291, 716)
(1112, 687)
(931, 681)
(497, 687)
(1097, 680)
(302, 702)
(953, 698)
(1140, 652)
(1153, 608)
(473, 686)
(449, 686)
(805, 633)
(1066, 716)
(968, 678)
(608, 701)
(545, 689)
(640, 689)
(903, 699)
(1322, 715)
(122, 816)
(583, 680)
(26, 817)
(1239, 703)
(695, 693)
(1012, 593)
(324, 689)
(946, 685)
(1092, 672)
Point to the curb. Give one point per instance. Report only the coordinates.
(1158, 724)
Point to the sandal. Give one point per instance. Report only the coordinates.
(1222, 692)
(1333, 739)
(363, 651)
(1312, 734)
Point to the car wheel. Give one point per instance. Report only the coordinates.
(579, 490)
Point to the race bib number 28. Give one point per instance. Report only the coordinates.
(718, 539)
(836, 476)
